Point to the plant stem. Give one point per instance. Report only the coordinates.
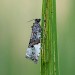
(49, 53)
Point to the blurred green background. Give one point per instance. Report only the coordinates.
(15, 34)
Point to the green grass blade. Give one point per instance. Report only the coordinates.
(49, 53)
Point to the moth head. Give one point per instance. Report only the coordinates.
(37, 20)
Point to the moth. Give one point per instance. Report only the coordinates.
(34, 47)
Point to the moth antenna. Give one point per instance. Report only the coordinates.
(31, 20)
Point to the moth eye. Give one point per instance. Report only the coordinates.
(35, 19)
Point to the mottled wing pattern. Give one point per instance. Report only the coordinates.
(33, 50)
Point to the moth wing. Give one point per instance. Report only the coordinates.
(28, 53)
(37, 49)
(36, 52)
